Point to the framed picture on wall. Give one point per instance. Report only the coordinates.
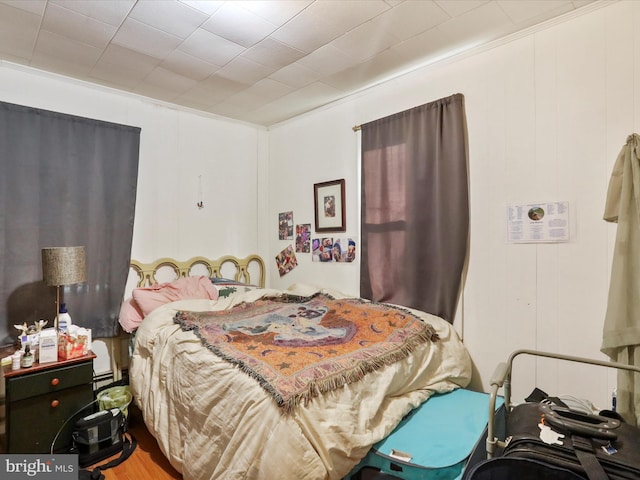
(329, 203)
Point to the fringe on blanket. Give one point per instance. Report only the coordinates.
(335, 381)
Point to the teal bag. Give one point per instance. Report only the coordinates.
(434, 441)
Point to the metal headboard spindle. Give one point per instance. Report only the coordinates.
(147, 271)
(147, 276)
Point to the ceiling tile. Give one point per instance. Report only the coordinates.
(188, 65)
(106, 11)
(244, 70)
(273, 53)
(301, 53)
(456, 35)
(345, 16)
(365, 41)
(210, 47)
(232, 107)
(327, 60)
(65, 50)
(121, 66)
(213, 90)
(142, 38)
(162, 80)
(269, 89)
(209, 7)
(410, 18)
(268, 114)
(239, 25)
(7, 57)
(366, 74)
(175, 18)
(259, 94)
(60, 66)
(194, 103)
(427, 46)
(306, 32)
(295, 103)
(484, 23)
(153, 91)
(296, 75)
(311, 94)
(533, 10)
(277, 13)
(18, 31)
(31, 6)
(455, 8)
(77, 27)
(322, 22)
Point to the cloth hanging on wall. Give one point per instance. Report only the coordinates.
(621, 333)
(415, 207)
(64, 181)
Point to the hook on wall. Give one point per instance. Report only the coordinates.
(200, 203)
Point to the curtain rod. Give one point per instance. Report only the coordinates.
(355, 128)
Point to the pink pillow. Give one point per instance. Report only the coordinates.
(130, 315)
(150, 298)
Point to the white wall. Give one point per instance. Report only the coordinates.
(547, 114)
(178, 151)
(311, 150)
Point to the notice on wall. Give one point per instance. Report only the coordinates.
(546, 222)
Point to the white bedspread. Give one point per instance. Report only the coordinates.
(212, 421)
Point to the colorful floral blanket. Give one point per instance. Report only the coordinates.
(300, 347)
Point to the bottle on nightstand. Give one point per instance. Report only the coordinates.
(27, 357)
(64, 319)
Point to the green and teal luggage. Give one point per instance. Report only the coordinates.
(435, 441)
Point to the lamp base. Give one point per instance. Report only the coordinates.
(57, 317)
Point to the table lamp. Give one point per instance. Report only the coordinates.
(63, 266)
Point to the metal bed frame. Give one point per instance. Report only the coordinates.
(242, 269)
(147, 271)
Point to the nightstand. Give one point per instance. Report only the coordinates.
(41, 398)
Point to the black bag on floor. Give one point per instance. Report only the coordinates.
(509, 468)
(99, 436)
(593, 446)
(130, 444)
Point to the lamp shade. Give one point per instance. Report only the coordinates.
(63, 265)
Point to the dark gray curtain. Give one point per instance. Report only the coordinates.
(415, 207)
(64, 181)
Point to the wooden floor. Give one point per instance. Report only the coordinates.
(146, 462)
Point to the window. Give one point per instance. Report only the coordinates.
(415, 213)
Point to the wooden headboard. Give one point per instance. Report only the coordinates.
(248, 270)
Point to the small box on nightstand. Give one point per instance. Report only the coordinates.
(48, 350)
(75, 343)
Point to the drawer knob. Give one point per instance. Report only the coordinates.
(55, 382)
(55, 403)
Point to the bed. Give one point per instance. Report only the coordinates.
(209, 374)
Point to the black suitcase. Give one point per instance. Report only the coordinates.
(593, 446)
(510, 468)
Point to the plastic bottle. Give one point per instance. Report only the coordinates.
(64, 319)
(16, 360)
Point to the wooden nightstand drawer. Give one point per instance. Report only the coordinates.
(44, 399)
(43, 382)
(51, 410)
